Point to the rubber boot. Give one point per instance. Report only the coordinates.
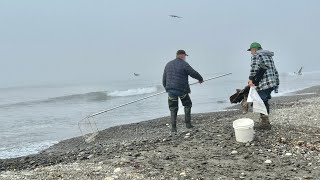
(174, 121)
(264, 123)
(245, 105)
(187, 113)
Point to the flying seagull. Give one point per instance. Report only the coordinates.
(175, 16)
(135, 74)
(299, 72)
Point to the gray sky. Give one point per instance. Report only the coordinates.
(75, 41)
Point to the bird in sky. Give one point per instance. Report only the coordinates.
(175, 16)
(299, 72)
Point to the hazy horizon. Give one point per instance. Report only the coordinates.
(50, 42)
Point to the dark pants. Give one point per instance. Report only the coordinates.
(265, 95)
(174, 103)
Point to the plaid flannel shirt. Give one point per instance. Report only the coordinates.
(270, 78)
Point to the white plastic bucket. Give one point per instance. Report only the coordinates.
(243, 129)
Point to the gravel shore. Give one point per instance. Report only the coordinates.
(146, 150)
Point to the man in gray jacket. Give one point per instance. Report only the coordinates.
(175, 81)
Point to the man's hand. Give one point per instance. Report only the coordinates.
(200, 82)
(250, 83)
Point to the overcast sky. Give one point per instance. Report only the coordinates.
(75, 41)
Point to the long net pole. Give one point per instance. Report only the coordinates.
(147, 97)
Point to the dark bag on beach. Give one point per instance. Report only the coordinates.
(240, 94)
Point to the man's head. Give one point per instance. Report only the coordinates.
(254, 47)
(181, 54)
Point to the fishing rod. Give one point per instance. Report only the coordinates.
(147, 97)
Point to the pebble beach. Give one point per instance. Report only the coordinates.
(147, 150)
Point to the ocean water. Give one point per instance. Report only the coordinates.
(34, 118)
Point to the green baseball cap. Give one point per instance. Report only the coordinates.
(254, 45)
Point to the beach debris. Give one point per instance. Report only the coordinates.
(288, 154)
(242, 176)
(234, 152)
(300, 143)
(90, 156)
(187, 135)
(183, 173)
(117, 170)
(268, 161)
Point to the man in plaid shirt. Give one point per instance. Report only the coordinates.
(269, 80)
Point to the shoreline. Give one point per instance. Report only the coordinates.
(230, 107)
(136, 142)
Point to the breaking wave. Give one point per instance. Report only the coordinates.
(24, 149)
(90, 97)
(133, 92)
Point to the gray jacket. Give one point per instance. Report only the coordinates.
(176, 76)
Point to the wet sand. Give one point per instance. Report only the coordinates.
(147, 150)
